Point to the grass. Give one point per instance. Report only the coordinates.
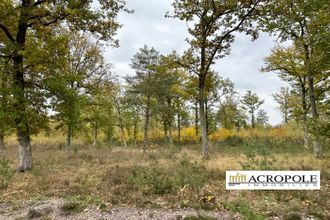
(164, 177)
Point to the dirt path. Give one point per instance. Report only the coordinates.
(53, 209)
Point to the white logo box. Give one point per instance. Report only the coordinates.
(272, 180)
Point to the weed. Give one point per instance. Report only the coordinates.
(157, 180)
(243, 207)
(72, 207)
(5, 173)
(253, 162)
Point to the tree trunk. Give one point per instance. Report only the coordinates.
(206, 117)
(165, 132)
(24, 149)
(170, 139)
(135, 130)
(304, 110)
(312, 99)
(146, 127)
(2, 140)
(205, 147)
(20, 104)
(202, 117)
(196, 118)
(123, 135)
(310, 78)
(21, 117)
(121, 124)
(317, 147)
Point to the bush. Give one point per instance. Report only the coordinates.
(160, 181)
(243, 207)
(5, 173)
(72, 207)
(263, 162)
(221, 135)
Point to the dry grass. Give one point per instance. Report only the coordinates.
(101, 176)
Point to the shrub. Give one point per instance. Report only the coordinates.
(72, 207)
(5, 173)
(221, 135)
(253, 162)
(243, 207)
(160, 181)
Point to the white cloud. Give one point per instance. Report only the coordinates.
(148, 25)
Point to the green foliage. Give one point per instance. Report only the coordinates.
(230, 115)
(72, 207)
(157, 180)
(243, 207)
(320, 128)
(251, 102)
(261, 160)
(5, 173)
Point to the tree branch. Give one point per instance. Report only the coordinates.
(39, 2)
(7, 33)
(228, 34)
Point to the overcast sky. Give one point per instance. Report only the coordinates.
(149, 26)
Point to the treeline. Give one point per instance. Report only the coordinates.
(52, 71)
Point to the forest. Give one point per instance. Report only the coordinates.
(82, 140)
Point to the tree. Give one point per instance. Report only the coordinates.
(251, 102)
(217, 89)
(288, 64)
(306, 24)
(169, 79)
(283, 99)
(211, 25)
(230, 115)
(99, 106)
(123, 113)
(75, 83)
(262, 117)
(20, 19)
(142, 84)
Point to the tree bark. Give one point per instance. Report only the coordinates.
(310, 79)
(317, 147)
(24, 150)
(312, 99)
(304, 110)
(205, 147)
(206, 116)
(202, 117)
(196, 118)
(121, 124)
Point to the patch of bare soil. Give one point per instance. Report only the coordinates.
(60, 210)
